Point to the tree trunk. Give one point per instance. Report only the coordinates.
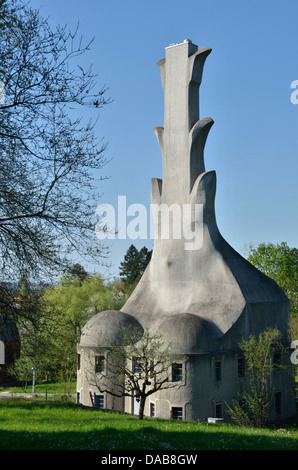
(142, 407)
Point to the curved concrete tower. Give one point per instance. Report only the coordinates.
(197, 290)
(207, 277)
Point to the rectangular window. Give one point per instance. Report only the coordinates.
(99, 401)
(99, 363)
(277, 402)
(177, 373)
(218, 371)
(79, 361)
(177, 413)
(218, 410)
(241, 367)
(152, 410)
(78, 398)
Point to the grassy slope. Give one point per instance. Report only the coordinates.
(27, 424)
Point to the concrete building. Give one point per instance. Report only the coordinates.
(9, 346)
(196, 289)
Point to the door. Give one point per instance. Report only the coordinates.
(136, 404)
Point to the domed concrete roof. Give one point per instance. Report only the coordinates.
(105, 329)
(188, 332)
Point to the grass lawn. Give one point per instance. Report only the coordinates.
(50, 386)
(29, 424)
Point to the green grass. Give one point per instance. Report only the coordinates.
(50, 386)
(28, 425)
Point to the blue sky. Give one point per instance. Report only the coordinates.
(253, 144)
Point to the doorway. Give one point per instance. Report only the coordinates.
(136, 403)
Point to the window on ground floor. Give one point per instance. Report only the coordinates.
(177, 413)
(98, 401)
(218, 410)
(152, 409)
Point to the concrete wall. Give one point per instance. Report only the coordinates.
(202, 393)
(88, 383)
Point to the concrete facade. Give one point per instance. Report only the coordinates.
(203, 295)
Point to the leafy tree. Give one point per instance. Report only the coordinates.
(50, 156)
(77, 270)
(34, 328)
(134, 264)
(22, 369)
(252, 407)
(49, 343)
(69, 306)
(28, 303)
(139, 365)
(77, 300)
(280, 262)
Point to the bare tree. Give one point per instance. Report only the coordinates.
(138, 366)
(50, 156)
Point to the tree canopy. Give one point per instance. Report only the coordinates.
(252, 407)
(280, 262)
(51, 322)
(134, 264)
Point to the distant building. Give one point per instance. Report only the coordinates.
(9, 346)
(204, 296)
